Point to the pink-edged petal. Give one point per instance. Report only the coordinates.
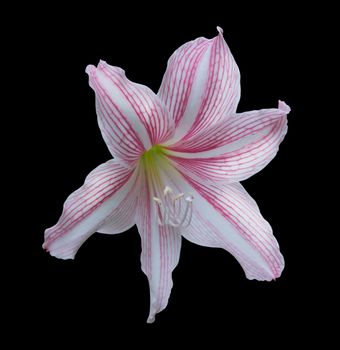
(161, 247)
(247, 143)
(131, 117)
(201, 85)
(105, 203)
(225, 216)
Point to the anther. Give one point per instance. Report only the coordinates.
(174, 210)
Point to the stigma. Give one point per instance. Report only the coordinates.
(174, 210)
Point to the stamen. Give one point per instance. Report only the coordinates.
(167, 190)
(157, 200)
(171, 210)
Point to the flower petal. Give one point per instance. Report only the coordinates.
(244, 146)
(225, 216)
(201, 85)
(131, 117)
(105, 203)
(161, 247)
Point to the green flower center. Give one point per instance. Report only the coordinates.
(155, 152)
(173, 210)
(152, 161)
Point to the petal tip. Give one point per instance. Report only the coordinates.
(62, 255)
(55, 252)
(278, 271)
(102, 63)
(284, 107)
(220, 30)
(268, 274)
(90, 69)
(151, 319)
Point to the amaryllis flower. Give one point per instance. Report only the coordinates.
(178, 159)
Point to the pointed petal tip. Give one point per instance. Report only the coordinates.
(45, 245)
(284, 107)
(90, 69)
(151, 319)
(268, 277)
(59, 255)
(63, 255)
(220, 30)
(102, 63)
(278, 271)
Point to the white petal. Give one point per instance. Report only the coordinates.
(131, 117)
(223, 216)
(235, 151)
(161, 247)
(107, 190)
(200, 86)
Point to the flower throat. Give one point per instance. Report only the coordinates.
(173, 210)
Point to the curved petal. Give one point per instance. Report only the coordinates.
(201, 85)
(225, 216)
(241, 128)
(249, 141)
(131, 117)
(105, 203)
(245, 196)
(161, 247)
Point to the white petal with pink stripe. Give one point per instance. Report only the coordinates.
(225, 216)
(201, 85)
(131, 117)
(161, 247)
(107, 196)
(237, 149)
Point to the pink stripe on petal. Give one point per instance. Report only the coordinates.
(123, 216)
(229, 220)
(201, 85)
(236, 128)
(147, 106)
(178, 79)
(106, 197)
(248, 143)
(226, 216)
(161, 247)
(131, 117)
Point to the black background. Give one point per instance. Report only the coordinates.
(103, 292)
